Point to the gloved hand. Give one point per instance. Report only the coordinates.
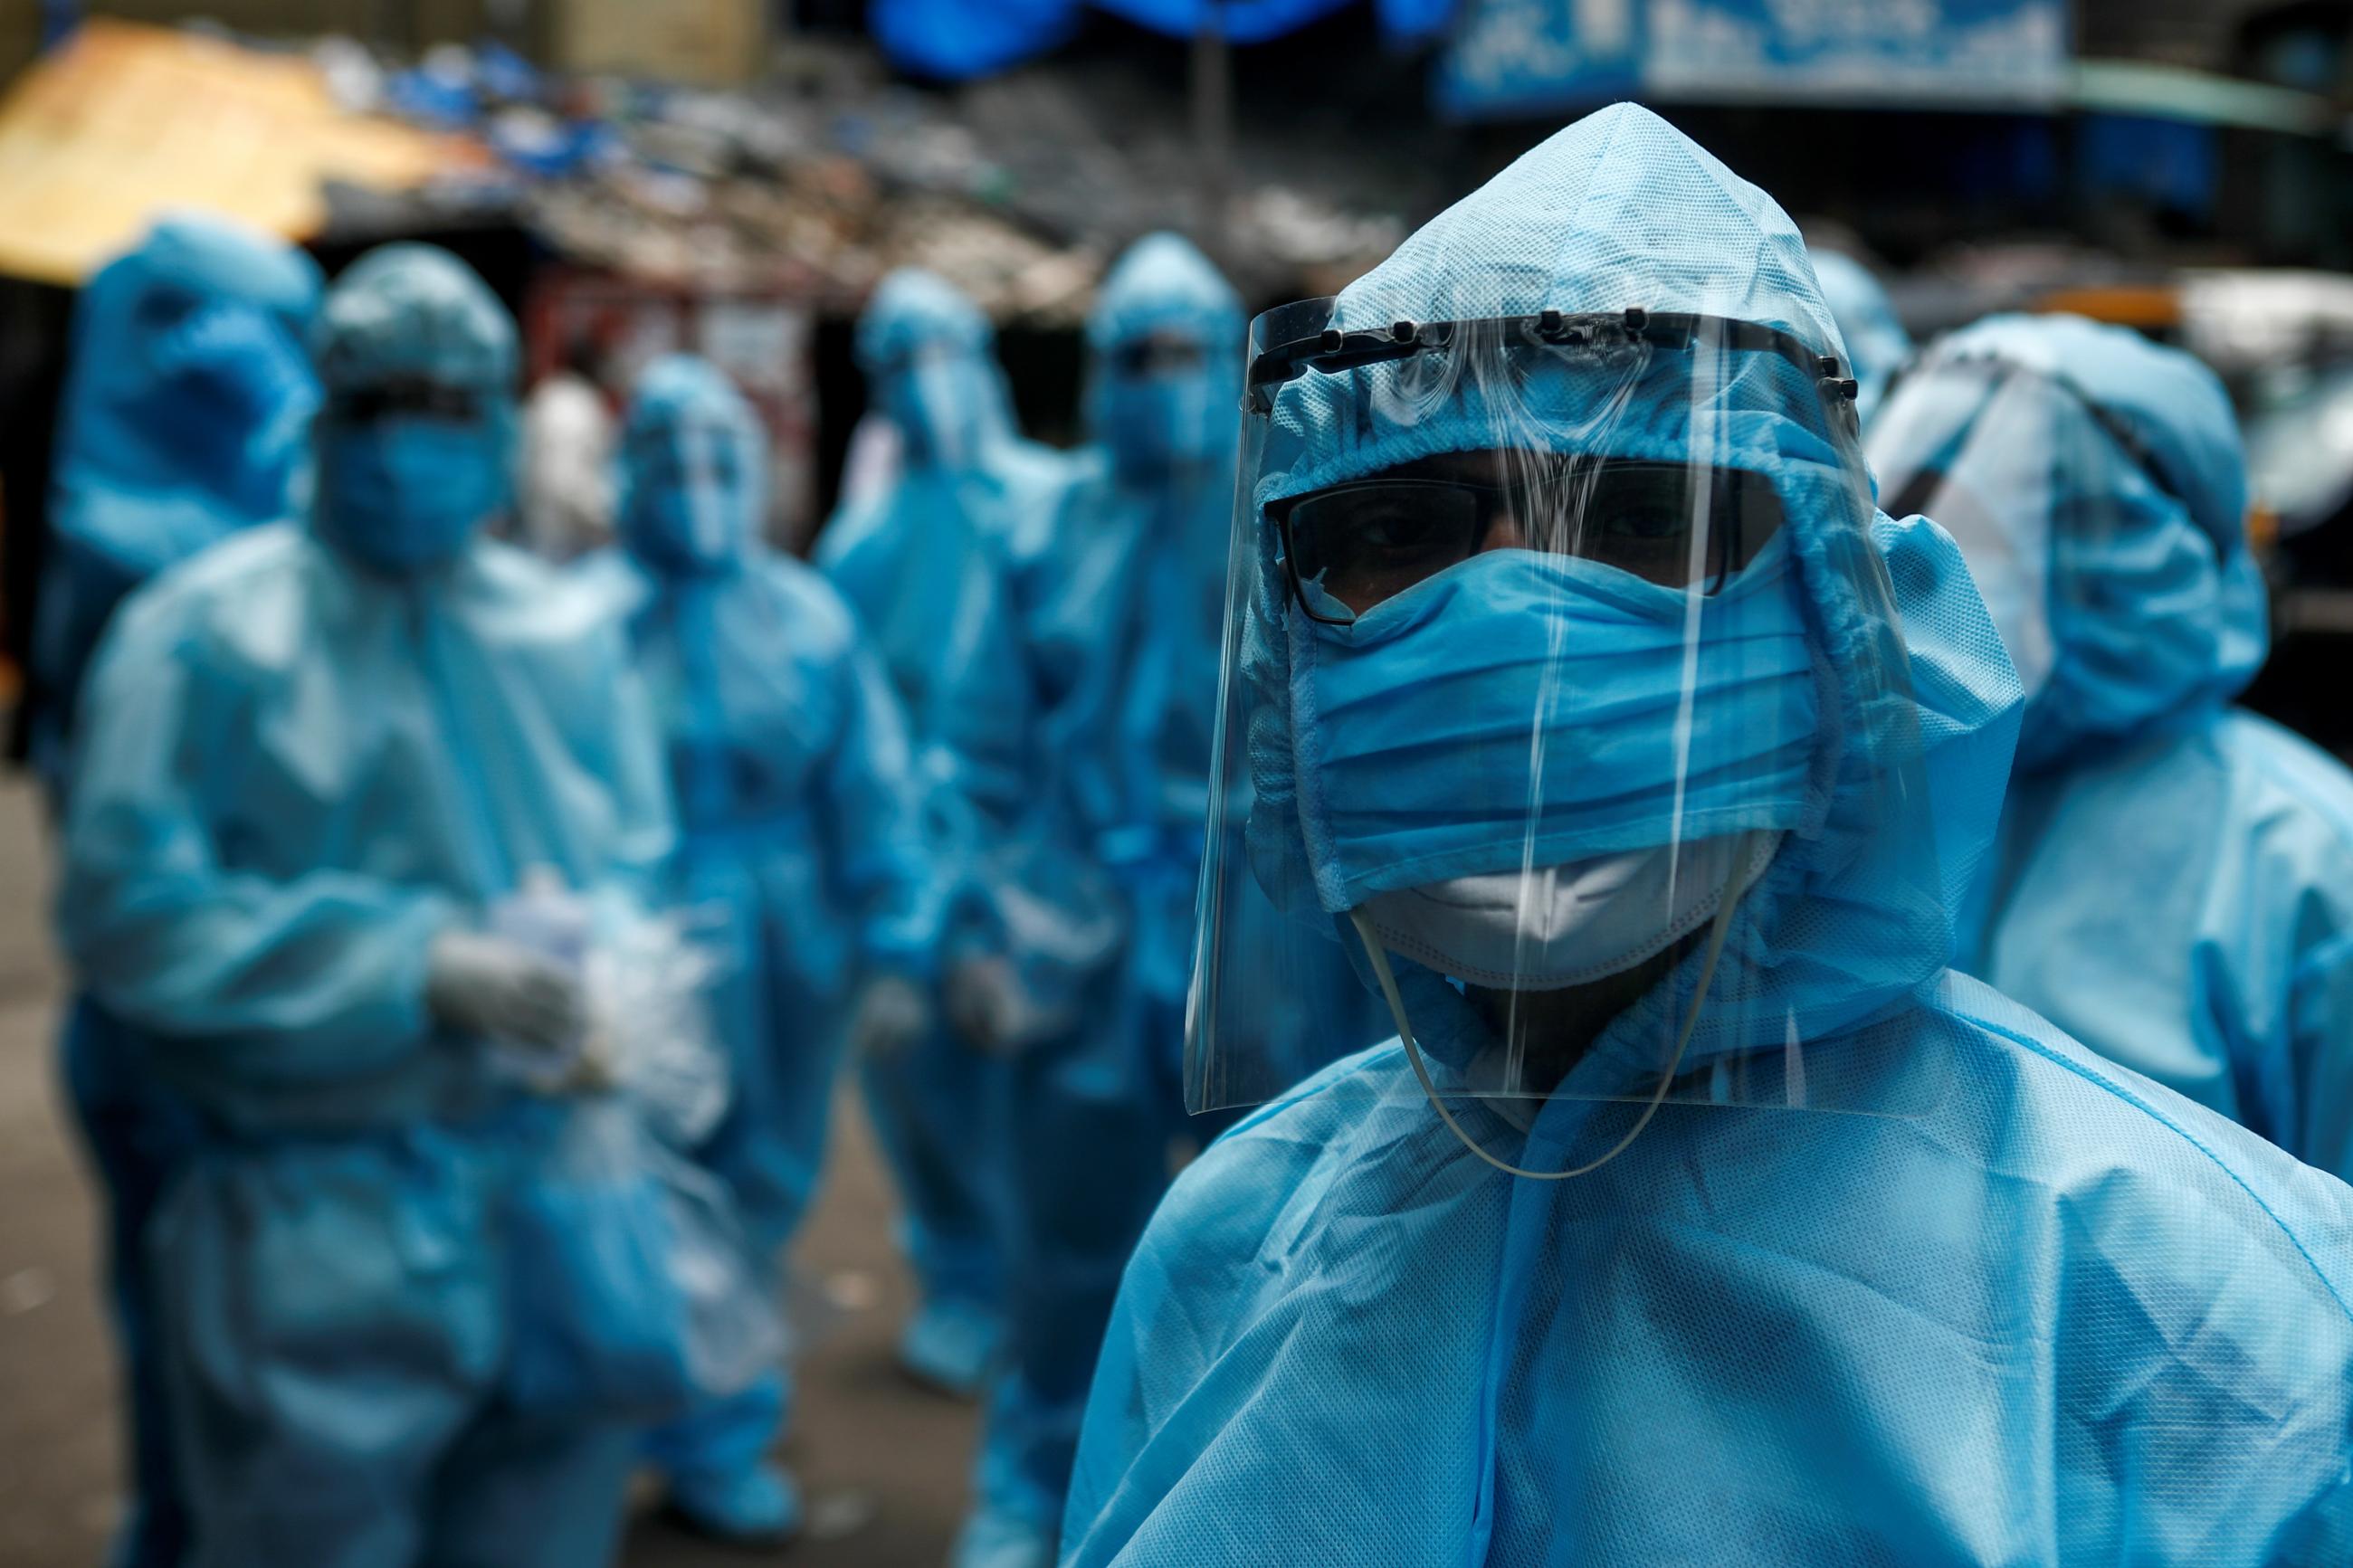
(984, 1002)
(891, 1015)
(495, 989)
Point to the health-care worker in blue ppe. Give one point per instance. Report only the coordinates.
(1699, 1213)
(311, 759)
(1129, 633)
(928, 563)
(1875, 338)
(802, 855)
(2173, 884)
(186, 409)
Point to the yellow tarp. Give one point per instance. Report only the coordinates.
(123, 120)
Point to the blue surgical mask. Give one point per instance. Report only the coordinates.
(407, 492)
(1523, 710)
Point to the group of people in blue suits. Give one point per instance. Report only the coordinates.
(1575, 907)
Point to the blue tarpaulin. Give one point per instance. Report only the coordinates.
(957, 40)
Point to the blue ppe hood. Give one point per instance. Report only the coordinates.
(2096, 482)
(1916, 704)
(1164, 343)
(930, 361)
(190, 393)
(692, 483)
(416, 443)
(184, 417)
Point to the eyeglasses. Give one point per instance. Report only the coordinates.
(1350, 547)
(414, 398)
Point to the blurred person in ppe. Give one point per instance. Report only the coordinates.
(802, 855)
(1876, 342)
(566, 506)
(186, 410)
(929, 564)
(1699, 1212)
(311, 762)
(1128, 630)
(2173, 882)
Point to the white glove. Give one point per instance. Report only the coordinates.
(891, 1015)
(495, 989)
(984, 1002)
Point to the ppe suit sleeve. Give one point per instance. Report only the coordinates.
(2321, 1004)
(874, 800)
(314, 978)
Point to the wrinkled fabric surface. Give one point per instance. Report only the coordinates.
(2071, 1318)
(802, 860)
(294, 775)
(2038, 1311)
(182, 422)
(2181, 906)
(2171, 886)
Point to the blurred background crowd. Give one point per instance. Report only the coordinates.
(850, 386)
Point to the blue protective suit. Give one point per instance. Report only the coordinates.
(295, 771)
(928, 565)
(801, 847)
(2173, 885)
(1876, 342)
(2041, 1311)
(185, 411)
(1128, 630)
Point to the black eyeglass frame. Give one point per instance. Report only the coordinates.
(1724, 545)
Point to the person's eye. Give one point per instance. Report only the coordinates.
(1642, 525)
(1395, 528)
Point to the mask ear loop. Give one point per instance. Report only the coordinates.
(1717, 930)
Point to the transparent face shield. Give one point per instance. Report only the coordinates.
(1979, 447)
(1563, 698)
(947, 401)
(692, 484)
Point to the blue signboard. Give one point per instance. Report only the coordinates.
(1511, 57)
